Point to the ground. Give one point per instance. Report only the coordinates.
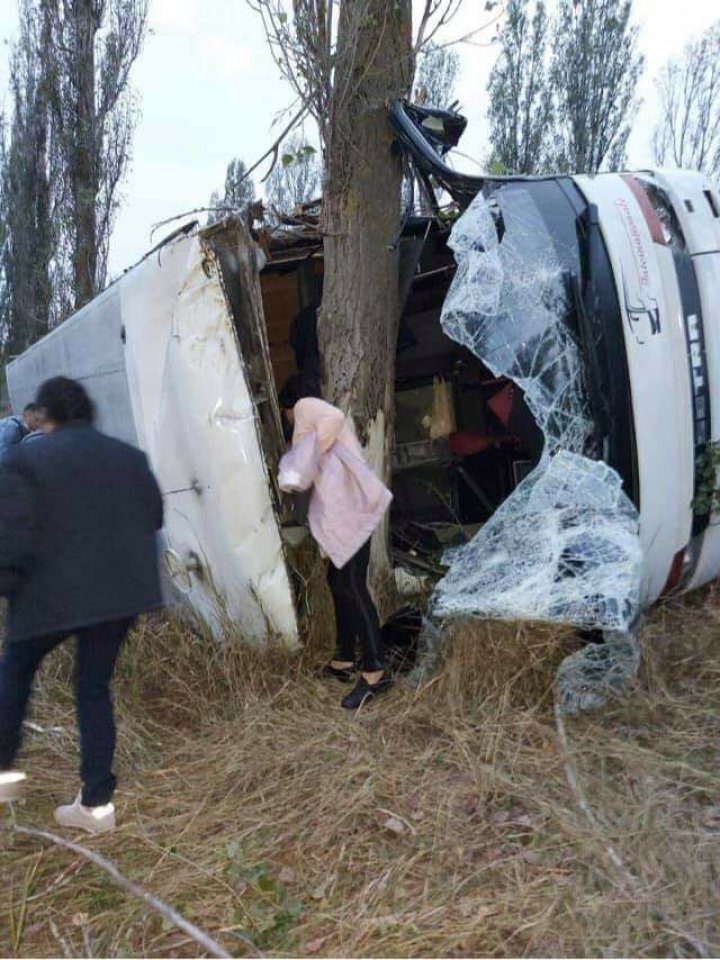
(439, 822)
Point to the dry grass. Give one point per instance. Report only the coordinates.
(437, 823)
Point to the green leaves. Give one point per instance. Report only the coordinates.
(267, 909)
(302, 153)
(707, 480)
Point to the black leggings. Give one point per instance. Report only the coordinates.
(355, 613)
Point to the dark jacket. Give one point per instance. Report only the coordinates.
(304, 343)
(79, 513)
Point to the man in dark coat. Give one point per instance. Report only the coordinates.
(79, 515)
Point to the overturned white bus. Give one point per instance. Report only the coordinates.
(583, 320)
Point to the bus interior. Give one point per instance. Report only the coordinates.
(464, 438)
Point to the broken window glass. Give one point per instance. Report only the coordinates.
(510, 304)
(564, 546)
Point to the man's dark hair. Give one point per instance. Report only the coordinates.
(30, 408)
(63, 400)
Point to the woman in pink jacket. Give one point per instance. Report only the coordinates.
(347, 503)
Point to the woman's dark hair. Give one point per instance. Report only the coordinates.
(30, 408)
(63, 400)
(296, 387)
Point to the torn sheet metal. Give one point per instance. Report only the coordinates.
(564, 546)
(197, 421)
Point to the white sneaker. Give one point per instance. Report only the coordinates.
(92, 819)
(12, 786)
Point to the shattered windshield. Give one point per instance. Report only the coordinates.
(511, 305)
(564, 546)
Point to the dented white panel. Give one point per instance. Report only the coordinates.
(186, 402)
(697, 205)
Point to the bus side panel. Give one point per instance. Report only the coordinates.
(87, 347)
(707, 271)
(697, 205)
(659, 376)
(159, 357)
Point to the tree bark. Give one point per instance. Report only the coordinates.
(85, 179)
(43, 220)
(358, 320)
(26, 193)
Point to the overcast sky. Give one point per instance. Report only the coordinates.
(210, 91)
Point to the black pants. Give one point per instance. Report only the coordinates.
(97, 652)
(355, 613)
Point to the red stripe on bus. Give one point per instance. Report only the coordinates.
(651, 218)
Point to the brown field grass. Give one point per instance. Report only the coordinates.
(439, 822)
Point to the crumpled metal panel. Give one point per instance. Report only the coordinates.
(564, 546)
(196, 419)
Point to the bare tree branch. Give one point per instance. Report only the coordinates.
(436, 15)
(129, 886)
(274, 147)
(688, 133)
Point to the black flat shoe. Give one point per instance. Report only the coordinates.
(364, 691)
(343, 674)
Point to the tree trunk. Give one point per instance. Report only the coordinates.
(26, 260)
(358, 322)
(85, 184)
(43, 220)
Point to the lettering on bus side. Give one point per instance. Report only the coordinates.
(697, 372)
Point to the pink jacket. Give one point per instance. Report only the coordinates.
(347, 501)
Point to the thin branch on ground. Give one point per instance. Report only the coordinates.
(129, 886)
(67, 952)
(58, 882)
